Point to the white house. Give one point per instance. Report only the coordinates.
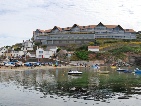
(41, 53)
(17, 53)
(27, 45)
(3, 50)
(93, 48)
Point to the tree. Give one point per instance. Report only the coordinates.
(83, 55)
(58, 50)
(37, 43)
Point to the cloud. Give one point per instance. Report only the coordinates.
(6, 40)
(19, 18)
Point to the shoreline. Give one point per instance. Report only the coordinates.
(24, 68)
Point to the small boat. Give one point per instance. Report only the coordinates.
(103, 72)
(74, 72)
(124, 70)
(95, 66)
(113, 67)
(121, 69)
(137, 71)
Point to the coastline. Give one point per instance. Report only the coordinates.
(24, 68)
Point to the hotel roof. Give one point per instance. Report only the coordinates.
(84, 27)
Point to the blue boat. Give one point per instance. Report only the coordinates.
(124, 70)
(95, 66)
(137, 71)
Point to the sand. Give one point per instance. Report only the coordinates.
(23, 68)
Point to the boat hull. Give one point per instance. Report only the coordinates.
(138, 71)
(124, 70)
(121, 70)
(104, 72)
(74, 73)
(113, 67)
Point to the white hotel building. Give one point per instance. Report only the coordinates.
(81, 34)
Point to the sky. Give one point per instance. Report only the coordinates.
(19, 18)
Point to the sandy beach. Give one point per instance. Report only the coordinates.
(23, 68)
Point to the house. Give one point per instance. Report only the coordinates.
(27, 45)
(49, 52)
(16, 54)
(11, 53)
(39, 53)
(3, 50)
(93, 48)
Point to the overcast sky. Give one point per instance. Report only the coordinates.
(19, 18)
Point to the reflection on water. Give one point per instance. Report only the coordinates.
(55, 87)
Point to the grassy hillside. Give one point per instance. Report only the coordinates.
(110, 50)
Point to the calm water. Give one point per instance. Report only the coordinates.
(53, 87)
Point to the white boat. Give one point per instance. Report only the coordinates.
(121, 69)
(74, 72)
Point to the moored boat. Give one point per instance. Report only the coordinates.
(113, 67)
(137, 71)
(103, 72)
(95, 66)
(124, 70)
(121, 69)
(74, 72)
